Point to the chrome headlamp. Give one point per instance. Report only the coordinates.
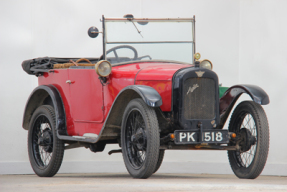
(205, 63)
(103, 68)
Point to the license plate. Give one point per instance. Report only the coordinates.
(209, 136)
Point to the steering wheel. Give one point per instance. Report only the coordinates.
(121, 47)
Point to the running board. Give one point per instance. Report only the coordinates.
(87, 137)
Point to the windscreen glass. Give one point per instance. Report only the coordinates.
(137, 40)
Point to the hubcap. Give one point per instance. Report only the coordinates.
(46, 140)
(247, 140)
(138, 139)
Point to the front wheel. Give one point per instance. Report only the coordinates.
(140, 139)
(160, 159)
(45, 149)
(250, 123)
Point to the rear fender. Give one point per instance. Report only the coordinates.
(230, 97)
(43, 95)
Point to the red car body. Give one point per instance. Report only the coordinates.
(87, 103)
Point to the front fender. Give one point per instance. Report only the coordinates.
(114, 118)
(150, 96)
(232, 94)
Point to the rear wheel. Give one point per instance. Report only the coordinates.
(140, 139)
(250, 123)
(45, 150)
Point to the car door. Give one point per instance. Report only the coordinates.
(86, 92)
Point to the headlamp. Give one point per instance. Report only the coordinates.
(205, 63)
(103, 68)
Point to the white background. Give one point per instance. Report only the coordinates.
(245, 40)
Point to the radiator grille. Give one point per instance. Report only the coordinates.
(199, 98)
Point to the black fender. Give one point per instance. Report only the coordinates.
(150, 96)
(232, 94)
(113, 121)
(39, 96)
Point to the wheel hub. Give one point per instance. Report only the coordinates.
(247, 139)
(46, 140)
(138, 139)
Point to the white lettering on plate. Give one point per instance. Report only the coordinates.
(182, 136)
(190, 136)
(212, 136)
(219, 136)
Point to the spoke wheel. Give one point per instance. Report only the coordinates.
(42, 138)
(140, 139)
(136, 139)
(249, 121)
(45, 149)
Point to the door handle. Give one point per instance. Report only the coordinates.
(69, 81)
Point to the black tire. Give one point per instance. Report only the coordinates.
(160, 159)
(140, 139)
(249, 162)
(45, 150)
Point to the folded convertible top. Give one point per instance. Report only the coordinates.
(39, 65)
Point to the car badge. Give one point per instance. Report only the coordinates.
(191, 89)
(199, 73)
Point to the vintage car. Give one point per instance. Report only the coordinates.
(149, 92)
